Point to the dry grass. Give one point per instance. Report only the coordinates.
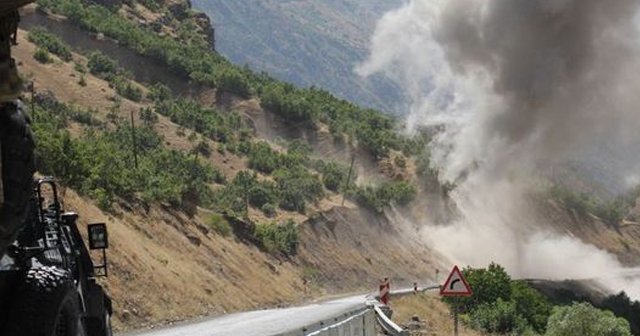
(430, 309)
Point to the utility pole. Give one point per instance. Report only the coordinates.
(353, 159)
(133, 138)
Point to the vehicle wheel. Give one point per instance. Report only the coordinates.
(47, 305)
(18, 167)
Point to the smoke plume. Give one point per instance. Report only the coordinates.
(521, 85)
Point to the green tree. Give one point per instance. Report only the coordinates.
(582, 319)
(531, 305)
(497, 317)
(488, 286)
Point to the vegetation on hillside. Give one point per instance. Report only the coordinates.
(503, 306)
(191, 57)
(611, 212)
(49, 42)
(100, 163)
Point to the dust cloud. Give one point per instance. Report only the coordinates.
(520, 85)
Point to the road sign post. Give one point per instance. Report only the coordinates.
(455, 286)
(384, 291)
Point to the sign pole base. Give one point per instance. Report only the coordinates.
(455, 320)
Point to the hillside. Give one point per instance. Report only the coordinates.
(180, 213)
(242, 182)
(308, 43)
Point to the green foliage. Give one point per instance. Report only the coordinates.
(101, 164)
(622, 306)
(220, 225)
(497, 317)
(278, 238)
(531, 305)
(611, 212)
(488, 286)
(297, 187)
(101, 65)
(148, 117)
(262, 193)
(47, 41)
(334, 175)
(582, 319)
(262, 158)
(159, 92)
(42, 55)
(283, 99)
(191, 57)
(126, 88)
(210, 122)
(269, 209)
(382, 196)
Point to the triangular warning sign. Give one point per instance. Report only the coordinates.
(456, 285)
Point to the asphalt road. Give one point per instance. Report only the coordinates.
(263, 322)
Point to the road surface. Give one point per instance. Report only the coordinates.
(263, 322)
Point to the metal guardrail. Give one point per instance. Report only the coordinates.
(358, 322)
(390, 327)
(362, 324)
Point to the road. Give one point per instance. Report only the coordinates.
(263, 322)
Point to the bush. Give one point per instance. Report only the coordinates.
(190, 56)
(531, 305)
(220, 225)
(297, 187)
(269, 209)
(42, 56)
(263, 193)
(47, 41)
(99, 164)
(262, 158)
(380, 197)
(334, 176)
(278, 238)
(582, 319)
(159, 92)
(101, 65)
(126, 88)
(488, 286)
(497, 317)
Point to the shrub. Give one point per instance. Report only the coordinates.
(269, 209)
(582, 319)
(497, 317)
(380, 197)
(159, 92)
(47, 41)
(263, 193)
(278, 238)
(220, 225)
(262, 158)
(531, 305)
(42, 55)
(297, 187)
(126, 88)
(334, 176)
(101, 65)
